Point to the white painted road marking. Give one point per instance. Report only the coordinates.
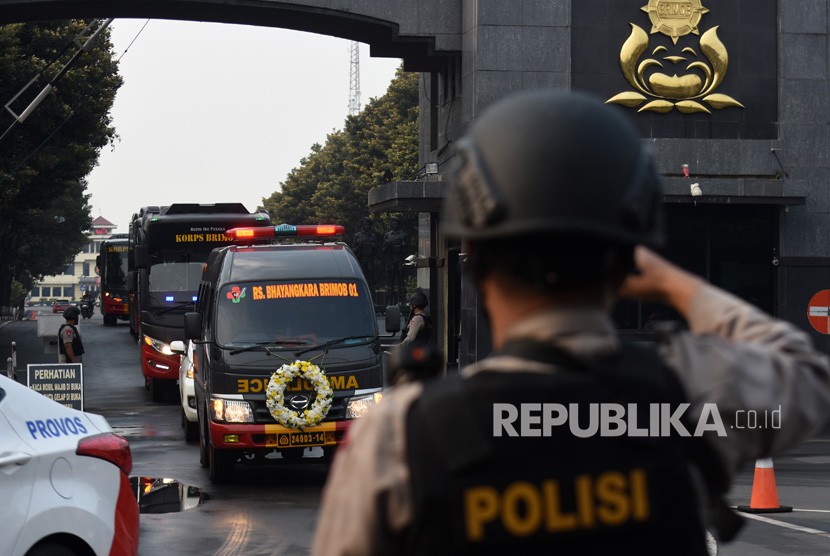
(787, 525)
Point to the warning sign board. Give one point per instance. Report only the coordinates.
(61, 382)
(818, 312)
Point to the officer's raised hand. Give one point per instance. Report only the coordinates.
(656, 279)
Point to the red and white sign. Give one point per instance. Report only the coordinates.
(818, 312)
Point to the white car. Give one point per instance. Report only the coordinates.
(63, 480)
(187, 393)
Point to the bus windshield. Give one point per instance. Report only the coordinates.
(115, 272)
(175, 277)
(293, 313)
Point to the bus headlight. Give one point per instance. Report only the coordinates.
(359, 405)
(158, 345)
(231, 411)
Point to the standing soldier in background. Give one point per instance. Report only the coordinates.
(70, 346)
(556, 199)
(415, 358)
(418, 327)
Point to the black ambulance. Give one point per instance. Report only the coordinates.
(261, 307)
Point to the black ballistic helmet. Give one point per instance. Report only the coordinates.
(71, 313)
(419, 361)
(419, 299)
(553, 163)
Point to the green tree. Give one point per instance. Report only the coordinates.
(376, 146)
(44, 208)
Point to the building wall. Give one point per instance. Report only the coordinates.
(772, 152)
(770, 156)
(70, 283)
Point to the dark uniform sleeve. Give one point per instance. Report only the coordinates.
(367, 500)
(737, 360)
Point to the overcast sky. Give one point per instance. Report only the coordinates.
(220, 113)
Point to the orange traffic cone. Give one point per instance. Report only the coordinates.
(764, 494)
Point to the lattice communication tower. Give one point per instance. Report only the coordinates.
(354, 79)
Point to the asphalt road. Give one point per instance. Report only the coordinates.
(267, 510)
(802, 478)
(272, 510)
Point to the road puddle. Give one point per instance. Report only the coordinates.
(161, 496)
(129, 430)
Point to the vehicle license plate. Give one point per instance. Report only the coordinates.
(301, 439)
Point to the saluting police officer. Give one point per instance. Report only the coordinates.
(557, 203)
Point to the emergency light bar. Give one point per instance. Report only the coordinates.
(286, 230)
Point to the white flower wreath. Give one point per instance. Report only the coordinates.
(275, 395)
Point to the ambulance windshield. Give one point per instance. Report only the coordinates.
(293, 313)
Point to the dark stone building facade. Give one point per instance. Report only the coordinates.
(733, 93)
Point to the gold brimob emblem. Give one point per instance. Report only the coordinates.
(675, 18)
(663, 90)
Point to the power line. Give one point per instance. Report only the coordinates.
(71, 112)
(135, 38)
(20, 118)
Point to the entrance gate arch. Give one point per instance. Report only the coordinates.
(424, 33)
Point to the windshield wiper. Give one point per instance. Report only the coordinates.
(256, 345)
(336, 341)
(176, 305)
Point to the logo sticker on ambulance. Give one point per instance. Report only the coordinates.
(236, 295)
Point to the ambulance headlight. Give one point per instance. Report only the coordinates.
(231, 411)
(359, 405)
(158, 345)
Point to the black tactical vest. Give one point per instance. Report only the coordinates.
(558, 493)
(77, 344)
(424, 335)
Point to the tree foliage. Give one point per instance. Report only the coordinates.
(377, 146)
(44, 209)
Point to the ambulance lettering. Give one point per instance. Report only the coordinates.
(55, 428)
(258, 385)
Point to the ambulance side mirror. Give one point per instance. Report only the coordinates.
(393, 319)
